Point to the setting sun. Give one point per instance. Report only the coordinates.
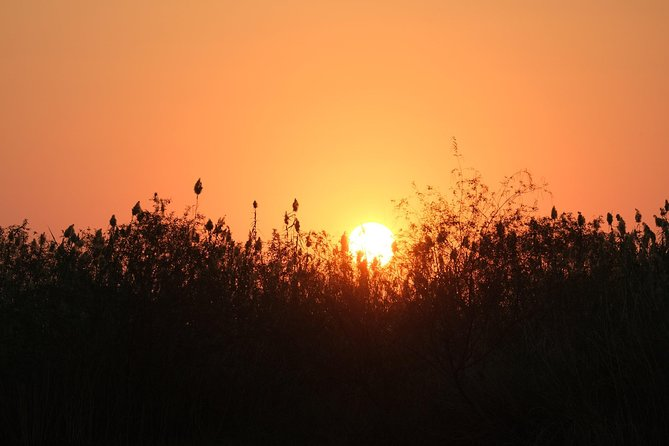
(374, 240)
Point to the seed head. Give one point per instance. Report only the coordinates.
(112, 221)
(198, 187)
(98, 240)
(648, 233)
(553, 213)
(255, 204)
(609, 218)
(136, 209)
(209, 225)
(637, 216)
(580, 220)
(344, 242)
(621, 225)
(428, 241)
(69, 232)
(500, 229)
(295, 205)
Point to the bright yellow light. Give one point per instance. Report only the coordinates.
(374, 241)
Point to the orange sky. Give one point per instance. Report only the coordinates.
(341, 104)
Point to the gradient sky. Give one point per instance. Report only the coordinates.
(341, 104)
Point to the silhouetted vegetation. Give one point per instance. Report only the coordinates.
(491, 325)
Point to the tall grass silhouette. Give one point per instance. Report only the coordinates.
(491, 324)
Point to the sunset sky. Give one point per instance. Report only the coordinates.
(339, 104)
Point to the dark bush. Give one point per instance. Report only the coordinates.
(491, 325)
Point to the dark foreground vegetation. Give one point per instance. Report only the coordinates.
(492, 325)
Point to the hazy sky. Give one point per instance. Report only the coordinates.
(341, 104)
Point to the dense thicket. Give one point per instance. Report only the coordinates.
(490, 326)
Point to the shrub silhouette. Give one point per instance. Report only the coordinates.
(490, 325)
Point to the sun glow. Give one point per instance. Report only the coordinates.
(373, 241)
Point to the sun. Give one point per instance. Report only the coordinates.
(373, 240)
